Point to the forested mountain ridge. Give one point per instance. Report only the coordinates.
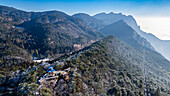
(162, 46)
(57, 30)
(107, 67)
(82, 63)
(125, 33)
(43, 34)
(118, 25)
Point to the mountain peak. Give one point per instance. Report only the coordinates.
(111, 13)
(89, 20)
(82, 14)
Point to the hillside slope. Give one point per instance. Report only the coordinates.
(107, 67)
(125, 33)
(162, 46)
(44, 34)
(58, 32)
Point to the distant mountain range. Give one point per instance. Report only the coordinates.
(162, 46)
(124, 32)
(107, 54)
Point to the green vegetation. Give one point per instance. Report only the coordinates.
(107, 67)
(40, 34)
(101, 69)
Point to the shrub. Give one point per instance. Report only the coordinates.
(114, 83)
(122, 74)
(96, 78)
(115, 91)
(45, 92)
(129, 75)
(121, 82)
(124, 93)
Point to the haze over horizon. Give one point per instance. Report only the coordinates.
(151, 15)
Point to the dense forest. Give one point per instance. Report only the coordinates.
(86, 55)
(100, 69)
(41, 34)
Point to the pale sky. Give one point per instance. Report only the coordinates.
(159, 26)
